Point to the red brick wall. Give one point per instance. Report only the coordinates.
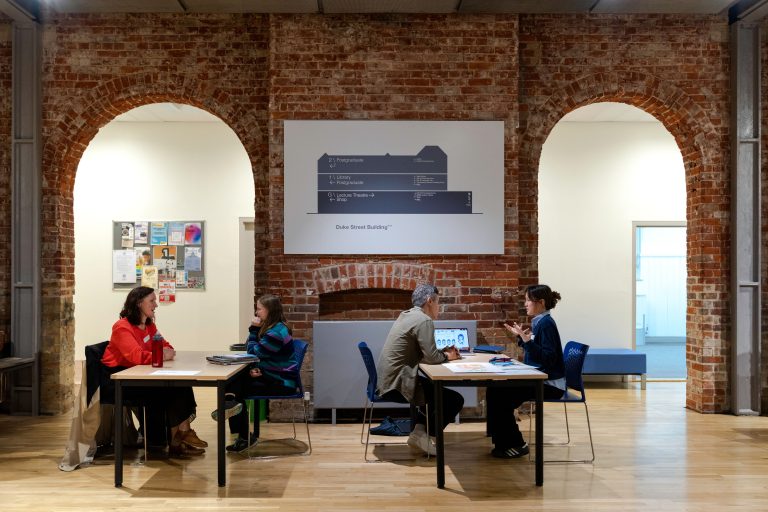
(397, 67)
(99, 66)
(256, 71)
(5, 180)
(676, 69)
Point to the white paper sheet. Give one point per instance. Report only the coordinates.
(175, 372)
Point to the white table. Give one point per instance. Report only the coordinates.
(442, 376)
(193, 370)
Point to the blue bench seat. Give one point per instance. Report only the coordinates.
(615, 361)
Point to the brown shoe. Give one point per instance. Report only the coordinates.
(183, 450)
(189, 437)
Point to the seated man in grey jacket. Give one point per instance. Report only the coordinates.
(412, 341)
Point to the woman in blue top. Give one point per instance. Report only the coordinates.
(269, 338)
(543, 349)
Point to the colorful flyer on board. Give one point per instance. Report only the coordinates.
(193, 258)
(164, 257)
(126, 235)
(175, 233)
(141, 228)
(159, 233)
(143, 257)
(167, 291)
(193, 233)
(149, 276)
(181, 279)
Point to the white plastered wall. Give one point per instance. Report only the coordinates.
(595, 179)
(162, 171)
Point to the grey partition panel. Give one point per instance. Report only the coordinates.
(339, 374)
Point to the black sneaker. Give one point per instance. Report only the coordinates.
(231, 408)
(241, 444)
(510, 453)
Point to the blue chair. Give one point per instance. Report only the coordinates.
(300, 348)
(574, 355)
(371, 398)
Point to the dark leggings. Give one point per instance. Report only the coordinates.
(244, 386)
(502, 403)
(452, 404)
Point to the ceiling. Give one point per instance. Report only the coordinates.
(387, 6)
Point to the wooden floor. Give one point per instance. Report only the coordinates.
(652, 454)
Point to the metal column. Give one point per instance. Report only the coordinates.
(745, 218)
(25, 192)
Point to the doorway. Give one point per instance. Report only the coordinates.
(246, 285)
(660, 297)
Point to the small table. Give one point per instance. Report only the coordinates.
(442, 376)
(189, 368)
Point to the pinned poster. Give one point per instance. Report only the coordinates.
(158, 233)
(167, 291)
(141, 231)
(175, 233)
(193, 258)
(164, 257)
(123, 266)
(149, 276)
(193, 233)
(126, 235)
(181, 279)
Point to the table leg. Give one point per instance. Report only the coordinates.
(221, 455)
(119, 434)
(539, 433)
(439, 442)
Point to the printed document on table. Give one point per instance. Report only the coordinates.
(472, 367)
(175, 372)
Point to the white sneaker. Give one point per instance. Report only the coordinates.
(421, 441)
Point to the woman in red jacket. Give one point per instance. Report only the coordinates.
(130, 345)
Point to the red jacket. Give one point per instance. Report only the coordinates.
(129, 345)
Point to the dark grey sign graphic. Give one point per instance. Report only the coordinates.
(388, 184)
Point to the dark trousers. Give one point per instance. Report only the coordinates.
(165, 407)
(452, 404)
(243, 385)
(502, 402)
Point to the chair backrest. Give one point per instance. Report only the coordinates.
(573, 357)
(93, 371)
(300, 349)
(370, 366)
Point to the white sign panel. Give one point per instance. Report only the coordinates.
(394, 187)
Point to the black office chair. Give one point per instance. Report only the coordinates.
(574, 355)
(300, 349)
(98, 377)
(372, 397)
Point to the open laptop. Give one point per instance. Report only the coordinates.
(454, 336)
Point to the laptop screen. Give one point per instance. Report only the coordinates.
(457, 337)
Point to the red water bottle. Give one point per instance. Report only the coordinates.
(157, 351)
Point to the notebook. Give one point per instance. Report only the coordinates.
(455, 336)
(232, 359)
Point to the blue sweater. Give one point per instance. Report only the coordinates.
(545, 351)
(277, 357)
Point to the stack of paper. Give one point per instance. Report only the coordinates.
(233, 359)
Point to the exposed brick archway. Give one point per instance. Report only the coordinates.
(65, 144)
(356, 276)
(707, 211)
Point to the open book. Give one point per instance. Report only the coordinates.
(233, 359)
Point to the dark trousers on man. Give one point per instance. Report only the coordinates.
(452, 405)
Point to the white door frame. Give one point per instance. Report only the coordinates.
(246, 254)
(649, 224)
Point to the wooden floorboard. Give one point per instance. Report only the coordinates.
(652, 454)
